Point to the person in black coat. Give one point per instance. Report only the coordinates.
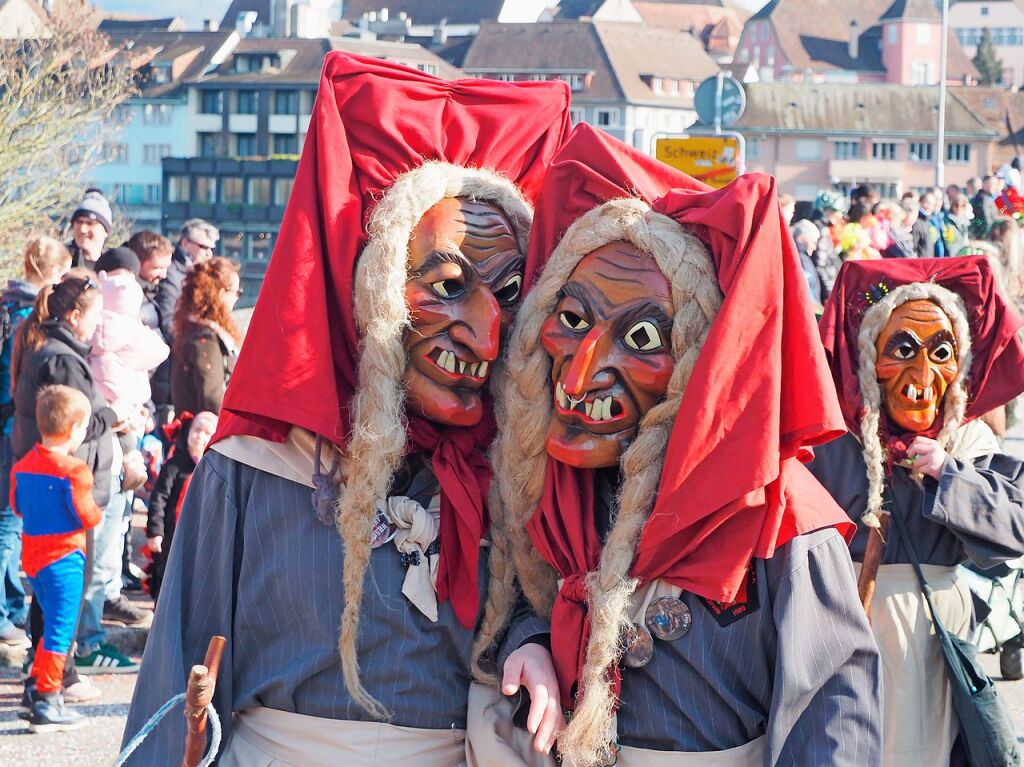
(51, 347)
(190, 436)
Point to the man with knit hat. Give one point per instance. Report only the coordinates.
(919, 350)
(90, 226)
(348, 481)
(665, 385)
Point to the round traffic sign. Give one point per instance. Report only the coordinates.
(734, 99)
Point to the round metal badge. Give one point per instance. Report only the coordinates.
(668, 618)
(639, 646)
(382, 531)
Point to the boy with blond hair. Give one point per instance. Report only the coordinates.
(51, 490)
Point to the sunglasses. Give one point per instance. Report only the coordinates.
(200, 245)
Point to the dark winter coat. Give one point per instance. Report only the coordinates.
(62, 360)
(165, 299)
(203, 362)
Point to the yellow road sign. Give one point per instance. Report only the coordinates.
(715, 160)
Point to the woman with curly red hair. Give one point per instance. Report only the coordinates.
(206, 337)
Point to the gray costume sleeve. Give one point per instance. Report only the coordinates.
(982, 503)
(524, 626)
(826, 703)
(196, 602)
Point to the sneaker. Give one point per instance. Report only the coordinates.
(50, 715)
(130, 582)
(124, 613)
(28, 697)
(15, 637)
(105, 660)
(82, 691)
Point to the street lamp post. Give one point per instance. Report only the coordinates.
(940, 144)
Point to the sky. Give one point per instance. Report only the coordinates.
(193, 11)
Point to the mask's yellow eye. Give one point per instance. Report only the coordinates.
(573, 321)
(447, 288)
(943, 352)
(509, 292)
(644, 337)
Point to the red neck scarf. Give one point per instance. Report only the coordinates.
(462, 471)
(997, 367)
(733, 486)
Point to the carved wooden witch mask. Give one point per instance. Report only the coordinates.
(464, 280)
(917, 360)
(609, 341)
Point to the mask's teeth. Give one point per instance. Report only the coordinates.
(589, 406)
(449, 362)
(462, 366)
(472, 368)
(560, 396)
(911, 391)
(483, 369)
(601, 409)
(929, 392)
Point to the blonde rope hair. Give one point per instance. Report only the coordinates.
(524, 406)
(955, 401)
(377, 440)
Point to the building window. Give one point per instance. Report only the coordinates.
(958, 152)
(209, 144)
(286, 103)
(286, 143)
(232, 191)
(657, 86)
(206, 189)
(576, 82)
(607, 118)
(245, 145)
(883, 150)
(211, 103)
(753, 149)
(924, 33)
(673, 87)
(430, 69)
(984, 11)
(153, 194)
(156, 114)
(248, 102)
(891, 34)
(178, 189)
(152, 154)
(259, 191)
(847, 150)
(282, 190)
(808, 149)
(505, 77)
(921, 151)
(765, 31)
(577, 115)
(115, 153)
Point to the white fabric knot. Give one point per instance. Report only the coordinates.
(416, 529)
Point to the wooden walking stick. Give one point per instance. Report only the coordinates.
(202, 681)
(872, 560)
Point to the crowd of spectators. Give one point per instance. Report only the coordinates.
(141, 342)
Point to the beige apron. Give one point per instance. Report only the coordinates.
(919, 722)
(264, 737)
(493, 741)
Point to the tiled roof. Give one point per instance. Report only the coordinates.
(401, 53)
(303, 66)
(262, 8)
(1000, 108)
(619, 55)
(169, 46)
(916, 10)
(836, 108)
(429, 11)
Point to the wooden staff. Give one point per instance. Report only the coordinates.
(202, 681)
(872, 560)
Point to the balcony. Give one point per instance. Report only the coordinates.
(283, 123)
(207, 123)
(242, 123)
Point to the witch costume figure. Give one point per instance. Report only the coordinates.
(689, 575)
(919, 350)
(365, 371)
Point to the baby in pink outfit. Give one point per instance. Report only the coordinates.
(124, 350)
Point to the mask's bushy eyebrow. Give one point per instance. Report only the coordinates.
(437, 258)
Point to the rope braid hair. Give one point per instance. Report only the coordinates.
(377, 441)
(954, 403)
(525, 410)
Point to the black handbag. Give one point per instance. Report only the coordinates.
(985, 727)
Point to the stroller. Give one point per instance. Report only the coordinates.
(999, 607)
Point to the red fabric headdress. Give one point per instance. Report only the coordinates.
(373, 120)
(997, 367)
(733, 486)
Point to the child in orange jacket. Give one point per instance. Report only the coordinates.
(51, 490)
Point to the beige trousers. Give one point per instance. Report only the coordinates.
(493, 741)
(918, 720)
(264, 737)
